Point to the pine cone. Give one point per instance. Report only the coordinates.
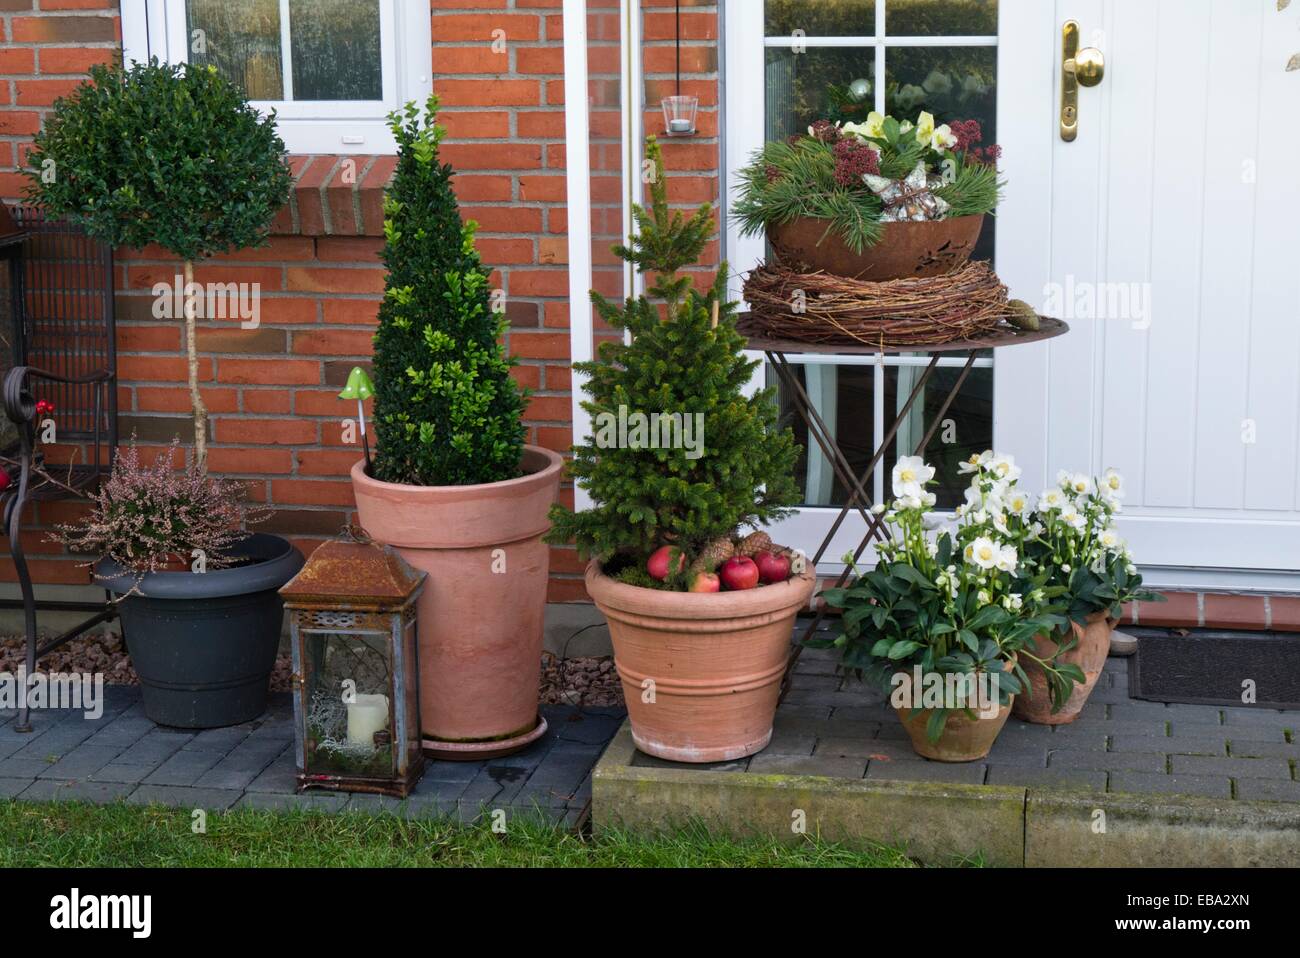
(754, 543)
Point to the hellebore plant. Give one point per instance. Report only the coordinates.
(953, 601)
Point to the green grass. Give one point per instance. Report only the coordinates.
(71, 834)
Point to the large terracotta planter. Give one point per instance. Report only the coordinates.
(1088, 654)
(701, 672)
(481, 613)
(905, 250)
(964, 739)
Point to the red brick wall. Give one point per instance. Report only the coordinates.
(272, 392)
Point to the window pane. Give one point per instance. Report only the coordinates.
(947, 18)
(820, 84)
(336, 50)
(842, 396)
(966, 429)
(241, 38)
(821, 18)
(953, 83)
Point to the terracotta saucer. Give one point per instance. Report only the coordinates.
(478, 751)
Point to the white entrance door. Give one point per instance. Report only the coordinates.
(1166, 234)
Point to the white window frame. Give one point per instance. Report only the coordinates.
(745, 97)
(158, 28)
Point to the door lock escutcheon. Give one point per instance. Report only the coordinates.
(1086, 67)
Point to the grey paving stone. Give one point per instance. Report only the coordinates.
(1252, 716)
(827, 766)
(838, 699)
(1138, 710)
(113, 772)
(154, 748)
(1239, 733)
(178, 796)
(58, 741)
(789, 710)
(15, 767)
(865, 748)
(1153, 762)
(220, 740)
(1267, 790)
(1046, 777)
(462, 772)
(1116, 664)
(1186, 746)
(802, 681)
(588, 729)
(1021, 755)
(1232, 767)
(236, 770)
(1150, 784)
(880, 714)
(433, 789)
(281, 777)
(1025, 733)
(9, 787)
(122, 731)
(1239, 749)
(81, 762)
(184, 767)
(924, 771)
(317, 801)
(788, 742)
(97, 793)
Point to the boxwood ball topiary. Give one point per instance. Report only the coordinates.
(163, 154)
(447, 412)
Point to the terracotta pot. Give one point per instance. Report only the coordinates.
(905, 250)
(480, 629)
(964, 739)
(1089, 654)
(715, 659)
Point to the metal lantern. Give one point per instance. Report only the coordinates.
(355, 669)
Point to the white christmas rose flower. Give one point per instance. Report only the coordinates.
(943, 139)
(1073, 517)
(1005, 468)
(983, 552)
(1018, 503)
(873, 127)
(1051, 500)
(1111, 541)
(1080, 484)
(910, 476)
(1112, 485)
(1008, 559)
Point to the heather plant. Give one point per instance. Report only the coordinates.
(145, 517)
(163, 154)
(447, 412)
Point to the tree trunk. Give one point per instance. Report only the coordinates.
(192, 353)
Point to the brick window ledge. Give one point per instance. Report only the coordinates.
(336, 196)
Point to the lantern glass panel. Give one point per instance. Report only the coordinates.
(347, 700)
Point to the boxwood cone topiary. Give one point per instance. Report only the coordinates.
(171, 155)
(447, 411)
(688, 361)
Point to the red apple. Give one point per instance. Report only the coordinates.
(659, 560)
(5, 479)
(739, 573)
(773, 567)
(706, 582)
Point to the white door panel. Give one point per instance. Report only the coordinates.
(1182, 185)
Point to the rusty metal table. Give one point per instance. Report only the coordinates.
(777, 350)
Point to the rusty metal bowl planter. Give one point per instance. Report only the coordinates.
(701, 673)
(906, 250)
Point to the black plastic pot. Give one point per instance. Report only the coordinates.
(204, 644)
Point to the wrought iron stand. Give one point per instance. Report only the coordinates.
(63, 338)
(859, 499)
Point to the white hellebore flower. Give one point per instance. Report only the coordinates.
(1112, 485)
(1005, 468)
(1073, 517)
(873, 127)
(1080, 484)
(983, 597)
(1111, 541)
(942, 139)
(1018, 502)
(910, 476)
(983, 552)
(1050, 500)
(1007, 559)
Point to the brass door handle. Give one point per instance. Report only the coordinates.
(1086, 67)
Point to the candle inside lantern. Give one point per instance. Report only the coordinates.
(679, 126)
(366, 716)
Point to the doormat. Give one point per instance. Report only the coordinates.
(1213, 669)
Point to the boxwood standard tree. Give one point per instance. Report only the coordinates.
(447, 412)
(166, 154)
(684, 357)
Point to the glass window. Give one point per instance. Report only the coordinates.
(822, 62)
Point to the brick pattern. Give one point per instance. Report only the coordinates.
(836, 727)
(124, 756)
(1253, 612)
(271, 391)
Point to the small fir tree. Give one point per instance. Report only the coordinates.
(166, 154)
(447, 412)
(684, 357)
